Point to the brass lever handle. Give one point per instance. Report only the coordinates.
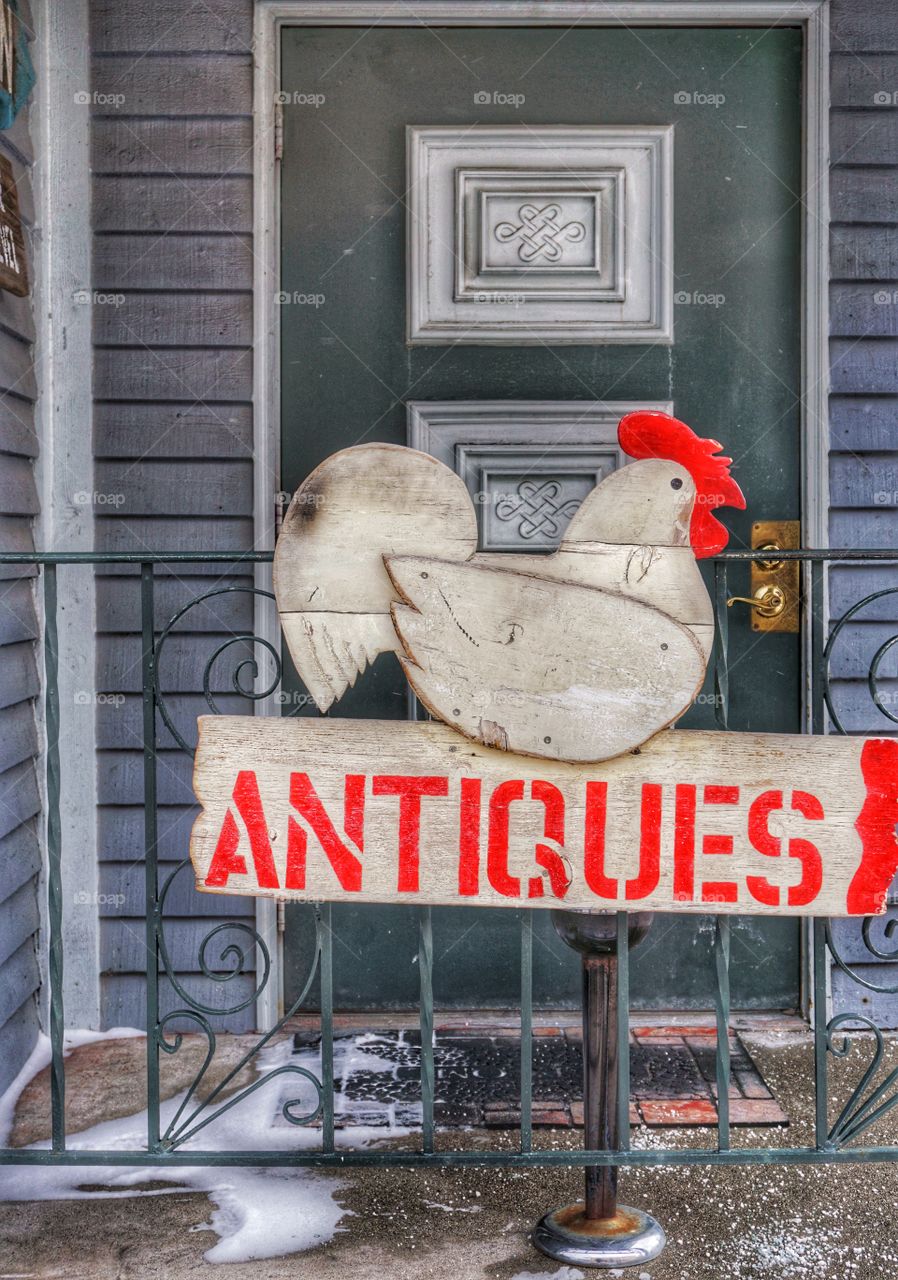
(768, 601)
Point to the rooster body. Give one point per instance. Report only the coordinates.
(580, 655)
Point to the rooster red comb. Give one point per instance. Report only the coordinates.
(656, 435)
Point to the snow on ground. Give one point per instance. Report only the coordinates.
(255, 1210)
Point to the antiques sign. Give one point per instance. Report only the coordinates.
(555, 776)
(374, 811)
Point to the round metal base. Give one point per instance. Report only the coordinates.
(627, 1239)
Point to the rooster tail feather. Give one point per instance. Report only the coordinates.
(330, 650)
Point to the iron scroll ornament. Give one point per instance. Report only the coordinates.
(240, 941)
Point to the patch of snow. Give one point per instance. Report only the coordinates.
(452, 1208)
(563, 1273)
(259, 1212)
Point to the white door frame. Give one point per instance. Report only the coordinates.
(812, 16)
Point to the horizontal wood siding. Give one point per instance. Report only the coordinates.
(864, 401)
(172, 208)
(20, 859)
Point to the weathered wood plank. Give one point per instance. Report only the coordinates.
(172, 146)
(157, 85)
(173, 430)
(864, 137)
(118, 605)
(863, 423)
(213, 204)
(123, 999)
(18, 1035)
(121, 888)
(176, 26)
(18, 491)
(120, 777)
(867, 27)
(18, 674)
(19, 919)
(172, 262)
(176, 320)
(120, 832)
(181, 664)
(20, 858)
(876, 528)
(864, 253)
(863, 195)
(868, 481)
(863, 82)
(19, 979)
(18, 739)
(870, 365)
(643, 839)
(864, 310)
(155, 488)
(169, 534)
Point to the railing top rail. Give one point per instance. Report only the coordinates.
(265, 557)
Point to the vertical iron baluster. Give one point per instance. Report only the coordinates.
(721, 643)
(324, 921)
(151, 837)
(54, 861)
(623, 1030)
(425, 974)
(821, 1088)
(818, 641)
(722, 1003)
(526, 1030)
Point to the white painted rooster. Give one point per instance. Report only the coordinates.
(580, 655)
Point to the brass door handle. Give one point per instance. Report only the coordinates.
(768, 601)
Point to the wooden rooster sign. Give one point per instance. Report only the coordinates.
(554, 776)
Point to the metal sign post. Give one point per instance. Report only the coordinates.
(599, 1232)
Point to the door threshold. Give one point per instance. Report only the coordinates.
(547, 1021)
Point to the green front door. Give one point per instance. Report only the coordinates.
(732, 371)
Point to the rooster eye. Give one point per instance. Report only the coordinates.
(676, 483)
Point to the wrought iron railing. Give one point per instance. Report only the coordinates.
(868, 1101)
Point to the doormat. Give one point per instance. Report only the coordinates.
(673, 1083)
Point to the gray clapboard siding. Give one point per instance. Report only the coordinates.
(192, 203)
(171, 26)
(122, 887)
(175, 320)
(123, 997)
(864, 404)
(158, 85)
(173, 431)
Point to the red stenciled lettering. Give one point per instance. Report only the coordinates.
(807, 889)
(684, 843)
(646, 881)
(497, 841)
(469, 838)
(411, 791)
(553, 829)
(226, 861)
(719, 846)
(594, 824)
(344, 860)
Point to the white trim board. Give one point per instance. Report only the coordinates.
(64, 357)
(812, 16)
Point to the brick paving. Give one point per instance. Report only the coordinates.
(477, 1077)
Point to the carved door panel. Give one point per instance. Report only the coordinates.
(494, 242)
